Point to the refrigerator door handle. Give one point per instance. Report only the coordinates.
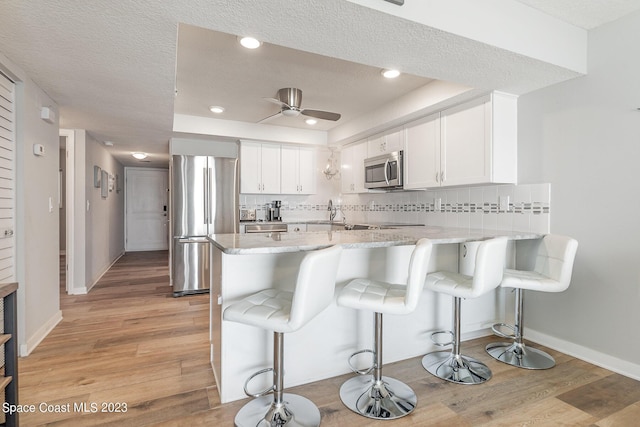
(211, 199)
(205, 189)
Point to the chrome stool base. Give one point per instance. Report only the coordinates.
(457, 369)
(382, 400)
(515, 354)
(295, 411)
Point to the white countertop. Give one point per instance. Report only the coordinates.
(266, 243)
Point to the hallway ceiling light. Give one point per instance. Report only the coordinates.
(249, 42)
(139, 156)
(390, 74)
(216, 109)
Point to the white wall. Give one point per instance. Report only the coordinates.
(37, 228)
(583, 136)
(104, 225)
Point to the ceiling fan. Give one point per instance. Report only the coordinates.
(290, 100)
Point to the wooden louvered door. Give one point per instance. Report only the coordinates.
(8, 320)
(7, 180)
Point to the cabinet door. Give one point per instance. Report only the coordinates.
(307, 170)
(289, 170)
(422, 153)
(376, 145)
(466, 140)
(250, 176)
(271, 168)
(346, 170)
(359, 154)
(385, 143)
(394, 141)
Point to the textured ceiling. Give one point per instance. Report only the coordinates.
(111, 64)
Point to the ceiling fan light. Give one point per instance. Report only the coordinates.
(250, 42)
(216, 109)
(311, 121)
(290, 113)
(139, 155)
(390, 74)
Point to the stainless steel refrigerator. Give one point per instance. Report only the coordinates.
(204, 200)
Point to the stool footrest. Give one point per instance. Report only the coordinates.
(263, 392)
(496, 330)
(442, 344)
(362, 371)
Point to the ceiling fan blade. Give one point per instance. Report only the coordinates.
(277, 102)
(271, 117)
(324, 115)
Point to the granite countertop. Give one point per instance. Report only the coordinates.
(266, 243)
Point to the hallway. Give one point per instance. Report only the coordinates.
(129, 342)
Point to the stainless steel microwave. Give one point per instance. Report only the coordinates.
(384, 172)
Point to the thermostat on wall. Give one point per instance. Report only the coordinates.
(38, 149)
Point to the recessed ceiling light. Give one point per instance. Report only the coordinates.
(250, 42)
(311, 121)
(139, 156)
(390, 74)
(108, 143)
(216, 109)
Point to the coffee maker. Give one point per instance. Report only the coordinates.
(276, 204)
(273, 211)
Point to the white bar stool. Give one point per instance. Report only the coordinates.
(282, 312)
(552, 273)
(452, 365)
(375, 396)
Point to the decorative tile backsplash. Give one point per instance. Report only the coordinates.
(497, 207)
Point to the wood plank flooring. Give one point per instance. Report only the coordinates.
(129, 341)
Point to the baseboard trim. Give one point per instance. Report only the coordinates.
(612, 363)
(104, 271)
(41, 333)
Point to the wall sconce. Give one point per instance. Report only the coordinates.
(331, 169)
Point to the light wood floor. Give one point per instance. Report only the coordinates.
(129, 341)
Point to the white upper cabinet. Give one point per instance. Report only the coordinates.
(422, 153)
(298, 170)
(352, 168)
(472, 143)
(479, 141)
(387, 142)
(259, 168)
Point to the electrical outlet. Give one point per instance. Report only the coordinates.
(503, 202)
(437, 204)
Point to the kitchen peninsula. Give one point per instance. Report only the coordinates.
(246, 263)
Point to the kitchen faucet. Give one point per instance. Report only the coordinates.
(332, 210)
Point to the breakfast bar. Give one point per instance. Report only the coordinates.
(243, 264)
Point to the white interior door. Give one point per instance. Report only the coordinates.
(7, 180)
(147, 207)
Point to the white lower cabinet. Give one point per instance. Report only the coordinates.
(298, 170)
(472, 143)
(352, 168)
